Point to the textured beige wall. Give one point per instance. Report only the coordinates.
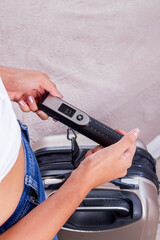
(104, 56)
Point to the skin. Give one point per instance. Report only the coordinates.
(26, 87)
(11, 188)
(100, 166)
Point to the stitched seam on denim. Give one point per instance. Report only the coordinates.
(23, 209)
(30, 181)
(31, 162)
(21, 215)
(25, 154)
(28, 151)
(26, 147)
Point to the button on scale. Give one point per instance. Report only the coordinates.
(79, 117)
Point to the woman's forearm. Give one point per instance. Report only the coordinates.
(21, 83)
(46, 219)
(5, 74)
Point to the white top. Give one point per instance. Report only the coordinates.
(10, 134)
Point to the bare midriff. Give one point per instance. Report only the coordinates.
(11, 188)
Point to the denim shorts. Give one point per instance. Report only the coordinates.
(33, 192)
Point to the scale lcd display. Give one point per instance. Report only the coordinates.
(66, 110)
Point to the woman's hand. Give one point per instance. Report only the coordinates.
(26, 87)
(93, 150)
(109, 163)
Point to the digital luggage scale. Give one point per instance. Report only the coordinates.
(78, 120)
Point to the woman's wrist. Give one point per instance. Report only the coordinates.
(81, 178)
(4, 74)
(8, 76)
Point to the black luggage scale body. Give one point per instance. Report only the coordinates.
(78, 120)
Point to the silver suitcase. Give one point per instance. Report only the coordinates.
(125, 208)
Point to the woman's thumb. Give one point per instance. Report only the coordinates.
(50, 87)
(129, 139)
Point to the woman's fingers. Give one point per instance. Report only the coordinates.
(49, 86)
(23, 105)
(28, 102)
(127, 140)
(121, 131)
(95, 149)
(30, 98)
(122, 146)
(32, 103)
(111, 162)
(127, 156)
(130, 152)
(42, 115)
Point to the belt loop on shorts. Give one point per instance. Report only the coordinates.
(30, 182)
(24, 129)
